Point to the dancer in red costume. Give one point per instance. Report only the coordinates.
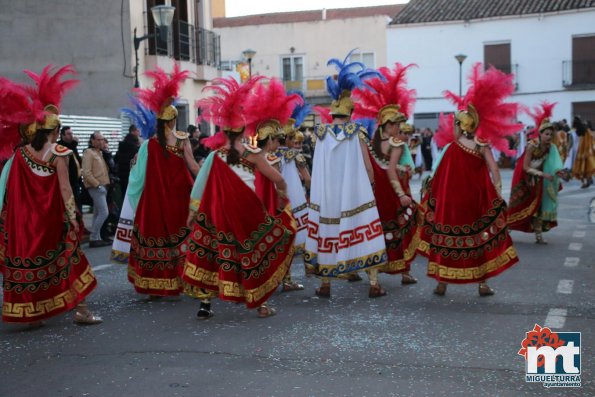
(45, 271)
(237, 249)
(390, 103)
(465, 234)
(535, 183)
(159, 188)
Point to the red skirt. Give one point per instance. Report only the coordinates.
(45, 271)
(464, 232)
(158, 246)
(525, 200)
(236, 247)
(399, 223)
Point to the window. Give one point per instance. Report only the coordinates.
(498, 56)
(292, 72)
(583, 60)
(367, 58)
(586, 110)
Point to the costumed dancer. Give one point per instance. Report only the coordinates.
(44, 268)
(535, 182)
(146, 121)
(344, 229)
(237, 249)
(465, 235)
(583, 168)
(158, 193)
(390, 103)
(294, 169)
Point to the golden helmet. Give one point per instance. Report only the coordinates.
(406, 128)
(545, 124)
(468, 119)
(343, 106)
(168, 113)
(390, 113)
(51, 121)
(268, 129)
(289, 129)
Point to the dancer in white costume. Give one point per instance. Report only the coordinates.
(146, 121)
(344, 230)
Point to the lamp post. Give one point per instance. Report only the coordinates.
(249, 54)
(163, 16)
(460, 59)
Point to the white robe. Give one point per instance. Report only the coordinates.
(344, 230)
(297, 196)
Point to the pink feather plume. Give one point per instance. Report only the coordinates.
(389, 90)
(165, 88)
(544, 111)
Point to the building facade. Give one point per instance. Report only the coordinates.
(549, 46)
(295, 46)
(97, 38)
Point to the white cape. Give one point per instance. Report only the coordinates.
(344, 230)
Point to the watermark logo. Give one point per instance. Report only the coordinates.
(552, 358)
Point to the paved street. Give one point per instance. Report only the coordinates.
(410, 343)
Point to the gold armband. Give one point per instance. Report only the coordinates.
(533, 171)
(397, 187)
(282, 193)
(498, 186)
(71, 208)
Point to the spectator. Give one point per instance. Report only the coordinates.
(426, 148)
(113, 198)
(70, 141)
(127, 149)
(96, 180)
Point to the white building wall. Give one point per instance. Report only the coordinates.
(538, 45)
(317, 41)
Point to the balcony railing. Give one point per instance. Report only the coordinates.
(578, 73)
(188, 43)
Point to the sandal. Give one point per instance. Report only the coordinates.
(324, 291)
(539, 239)
(205, 311)
(35, 325)
(440, 289)
(376, 291)
(264, 311)
(485, 290)
(291, 286)
(353, 277)
(408, 279)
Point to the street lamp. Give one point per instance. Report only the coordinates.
(249, 54)
(163, 16)
(460, 59)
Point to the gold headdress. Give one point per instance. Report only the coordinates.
(391, 113)
(468, 119)
(406, 128)
(343, 105)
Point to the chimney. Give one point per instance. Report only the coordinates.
(324, 14)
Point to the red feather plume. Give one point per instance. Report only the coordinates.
(324, 113)
(165, 88)
(389, 90)
(49, 88)
(487, 92)
(269, 102)
(225, 107)
(540, 113)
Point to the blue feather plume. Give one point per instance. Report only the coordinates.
(351, 75)
(301, 111)
(142, 117)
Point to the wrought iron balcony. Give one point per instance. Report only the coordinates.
(188, 43)
(578, 74)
